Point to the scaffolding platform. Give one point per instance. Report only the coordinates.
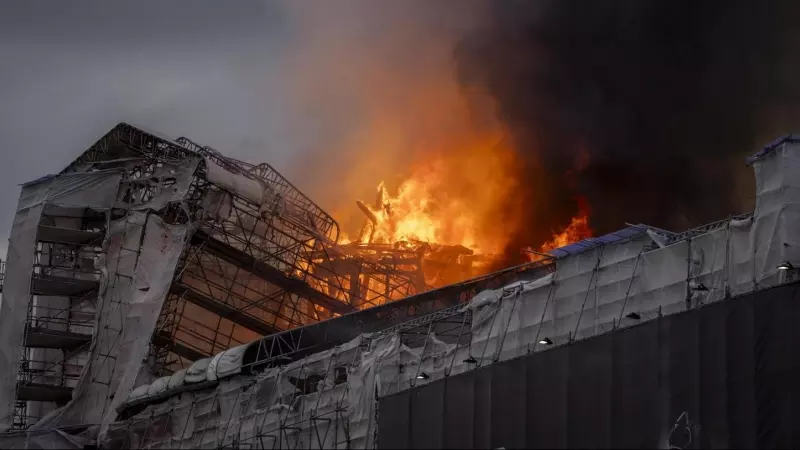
(255, 258)
(58, 235)
(52, 285)
(39, 337)
(37, 392)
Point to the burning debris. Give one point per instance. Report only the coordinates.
(408, 226)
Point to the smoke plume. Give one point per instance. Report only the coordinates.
(644, 108)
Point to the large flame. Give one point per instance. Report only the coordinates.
(449, 199)
(448, 208)
(394, 107)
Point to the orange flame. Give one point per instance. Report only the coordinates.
(450, 199)
(577, 230)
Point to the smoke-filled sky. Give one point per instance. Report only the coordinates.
(292, 83)
(651, 105)
(663, 96)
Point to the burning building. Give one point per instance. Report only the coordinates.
(168, 252)
(159, 294)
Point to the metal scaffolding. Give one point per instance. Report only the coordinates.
(248, 270)
(60, 319)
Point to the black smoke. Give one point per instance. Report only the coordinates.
(667, 98)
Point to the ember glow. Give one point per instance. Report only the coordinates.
(410, 158)
(448, 210)
(577, 230)
(450, 199)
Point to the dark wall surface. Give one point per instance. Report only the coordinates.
(732, 367)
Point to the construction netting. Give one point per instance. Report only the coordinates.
(94, 190)
(329, 399)
(720, 376)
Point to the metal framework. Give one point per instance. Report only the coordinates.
(257, 270)
(410, 317)
(60, 319)
(443, 311)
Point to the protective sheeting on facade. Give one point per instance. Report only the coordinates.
(168, 183)
(328, 399)
(95, 190)
(45, 439)
(140, 259)
(774, 235)
(720, 376)
(595, 291)
(312, 403)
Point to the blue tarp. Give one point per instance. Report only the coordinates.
(588, 244)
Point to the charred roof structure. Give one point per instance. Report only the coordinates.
(161, 295)
(151, 249)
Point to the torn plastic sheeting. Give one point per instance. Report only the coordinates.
(85, 190)
(240, 185)
(169, 182)
(95, 190)
(161, 248)
(117, 264)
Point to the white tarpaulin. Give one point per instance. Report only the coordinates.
(300, 406)
(135, 284)
(238, 184)
(592, 286)
(160, 251)
(48, 439)
(274, 408)
(95, 190)
(774, 233)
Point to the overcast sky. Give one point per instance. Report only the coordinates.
(72, 70)
(222, 73)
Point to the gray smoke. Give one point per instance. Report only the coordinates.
(645, 108)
